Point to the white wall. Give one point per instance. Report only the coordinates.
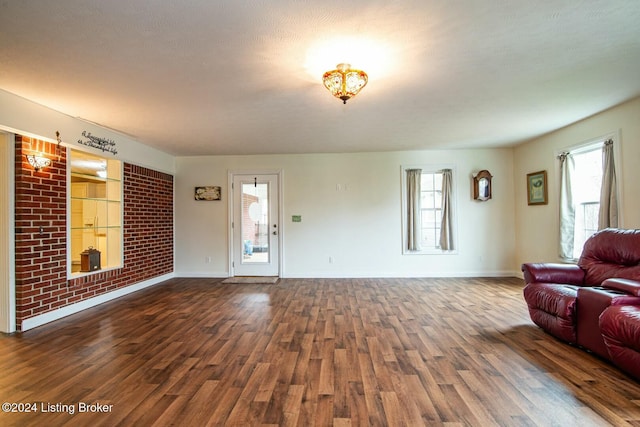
(360, 228)
(537, 226)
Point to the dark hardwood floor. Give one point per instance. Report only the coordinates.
(304, 352)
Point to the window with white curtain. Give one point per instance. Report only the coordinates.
(426, 210)
(587, 174)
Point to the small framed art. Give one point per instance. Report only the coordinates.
(537, 188)
(208, 193)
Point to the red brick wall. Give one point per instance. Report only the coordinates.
(41, 261)
(148, 223)
(40, 201)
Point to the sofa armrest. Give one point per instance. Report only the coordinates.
(553, 273)
(628, 286)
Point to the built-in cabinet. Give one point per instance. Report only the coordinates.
(95, 210)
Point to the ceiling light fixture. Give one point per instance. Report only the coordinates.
(344, 82)
(38, 162)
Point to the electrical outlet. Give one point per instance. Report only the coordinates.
(330, 260)
(207, 260)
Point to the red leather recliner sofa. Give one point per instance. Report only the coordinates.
(567, 300)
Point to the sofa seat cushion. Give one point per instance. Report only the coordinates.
(553, 308)
(620, 326)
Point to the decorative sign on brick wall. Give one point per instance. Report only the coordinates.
(106, 145)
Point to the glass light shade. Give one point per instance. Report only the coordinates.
(38, 162)
(344, 82)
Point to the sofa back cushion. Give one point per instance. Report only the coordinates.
(611, 253)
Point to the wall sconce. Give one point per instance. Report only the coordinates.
(38, 162)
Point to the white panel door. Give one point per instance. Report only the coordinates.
(255, 228)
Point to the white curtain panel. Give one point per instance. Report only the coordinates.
(446, 227)
(608, 215)
(414, 177)
(567, 208)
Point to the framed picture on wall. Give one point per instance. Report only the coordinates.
(208, 193)
(537, 188)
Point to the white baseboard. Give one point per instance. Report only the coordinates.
(67, 310)
(404, 274)
(361, 275)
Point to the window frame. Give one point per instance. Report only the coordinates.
(69, 258)
(430, 169)
(586, 146)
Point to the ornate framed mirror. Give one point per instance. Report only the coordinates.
(482, 185)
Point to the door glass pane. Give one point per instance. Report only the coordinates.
(255, 223)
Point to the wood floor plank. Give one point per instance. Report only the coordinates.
(371, 391)
(421, 399)
(391, 405)
(341, 402)
(312, 352)
(291, 405)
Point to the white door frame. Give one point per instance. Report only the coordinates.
(280, 246)
(7, 230)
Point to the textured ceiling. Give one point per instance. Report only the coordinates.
(201, 77)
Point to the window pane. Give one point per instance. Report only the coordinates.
(428, 218)
(437, 181)
(588, 176)
(431, 214)
(427, 181)
(585, 185)
(427, 201)
(591, 212)
(255, 223)
(437, 196)
(428, 238)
